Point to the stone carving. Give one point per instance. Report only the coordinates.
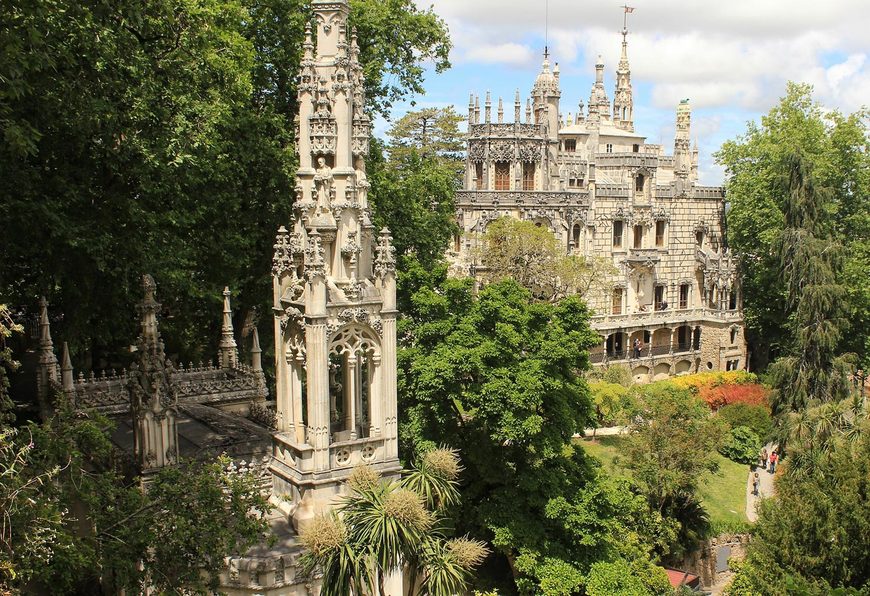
(385, 262)
(476, 151)
(501, 151)
(530, 151)
(324, 185)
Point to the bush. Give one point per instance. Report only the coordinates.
(756, 417)
(618, 374)
(742, 445)
(613, 403)
(723, 395)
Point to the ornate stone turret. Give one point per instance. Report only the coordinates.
(334, 298)
(228, 353)
(153, 398)
(48, 375)
(623, 102)
(66, 371)
(682, 152)
(599, 105)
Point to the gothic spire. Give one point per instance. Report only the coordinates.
(623, 101)
(256, 352)
(229, 355)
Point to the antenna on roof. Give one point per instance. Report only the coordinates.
(546, 27)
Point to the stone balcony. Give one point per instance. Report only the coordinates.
(521, 198)
(663, 318)
(645, 257)
(342, 454)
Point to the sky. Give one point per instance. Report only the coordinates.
(730, 58)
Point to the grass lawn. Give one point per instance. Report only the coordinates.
(723, 493)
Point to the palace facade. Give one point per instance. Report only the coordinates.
(674, 305)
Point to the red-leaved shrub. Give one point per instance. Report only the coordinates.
(723, 395)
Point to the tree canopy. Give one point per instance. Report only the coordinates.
(157, 137)
(836, 148)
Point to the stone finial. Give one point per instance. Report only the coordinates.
(477, 109)
(314, 262)
(385, 262)
(488, 108)
(528, 111)
(517, 106)
(228, 353)
(500, 111)
(66, 371)
(256, 352)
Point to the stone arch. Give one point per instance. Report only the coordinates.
(640, 374)
(683, 367)
(661, 371)
(354, 380)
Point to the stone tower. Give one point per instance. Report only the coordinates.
(153, 399)
(545, 103)
(623, 102)
(682, 151)
(334, 285)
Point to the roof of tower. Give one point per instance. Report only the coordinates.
(546, 82)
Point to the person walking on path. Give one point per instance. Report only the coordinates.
(773, 459)
(764, 458)
(755, 482)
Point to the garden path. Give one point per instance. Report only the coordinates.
(765, 487)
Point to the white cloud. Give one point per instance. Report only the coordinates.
(504, 53)
(737, 53)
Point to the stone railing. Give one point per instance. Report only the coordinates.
(505, 130)
(342, 454)
(626, 160)
(671, 317)
(521, 198)
(108, 391)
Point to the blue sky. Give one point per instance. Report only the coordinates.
(731, 59)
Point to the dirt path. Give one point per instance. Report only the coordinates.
(765, 487)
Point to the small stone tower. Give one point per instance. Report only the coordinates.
(682, 149)
(334, 285)
(153, 398)
(623, 102)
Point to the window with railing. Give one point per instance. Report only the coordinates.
(528, 176)
(660, 298)
(502, 175)
(570, 145)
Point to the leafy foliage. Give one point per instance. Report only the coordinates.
(751, 416)
(499, 376)
(385, 527)
(673, 445)
(174, 533)
(614, 404)
(530, 254)
(836, 147)
(812, 538)
(741, 445)
(158, 137)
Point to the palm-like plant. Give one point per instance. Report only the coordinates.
(384, 527)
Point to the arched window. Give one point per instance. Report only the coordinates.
(575, 235)
(354, 363)
(639, 182)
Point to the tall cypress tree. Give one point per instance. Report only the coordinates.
(810, 266)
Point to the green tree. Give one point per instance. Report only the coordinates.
(432, 132)
(530, 254)
(78, 521)
(671, 447)
(158, 137)
(837, 148)
(382, 528)
(499, 376)
(812, 537)
(810, 273)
